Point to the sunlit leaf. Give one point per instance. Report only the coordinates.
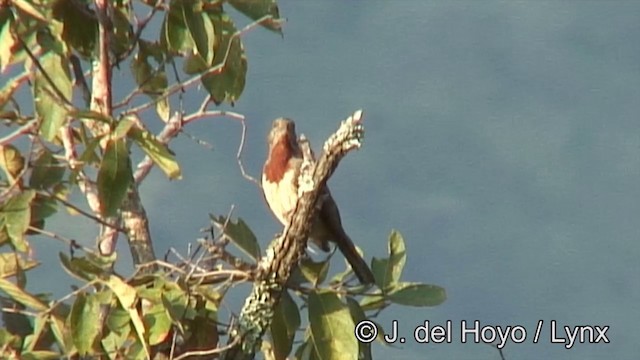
(114, 176)
(16, 216)
(416, 294)
(286, 321)
(84, 320)
(21, 296)
(158, 152)
(331, 327)
(158, 323)
(126, 294)
(11, 161)
(8, 44)
(48, 105)
(29, 9)
(122, 129)
(10, 263)
(358, 315)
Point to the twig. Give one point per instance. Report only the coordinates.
(82, 212)
(208, 352)
(212, 70)
(22, 130)
(72, 243)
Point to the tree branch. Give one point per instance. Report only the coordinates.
(286, 251)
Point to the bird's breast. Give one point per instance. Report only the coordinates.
(281, 195)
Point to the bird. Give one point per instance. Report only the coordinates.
(280, 188)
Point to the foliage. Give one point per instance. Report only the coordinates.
(79, 139)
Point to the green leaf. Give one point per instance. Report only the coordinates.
(21, 296)
(373, 302)
(397, 257)
(315, 272)
(332, 328)
(175, 36)
(158, 323)
(84, 320)
(92, 115)
(152, 80)
(81, 267)
(379, 267)
(358, 315)
(80, 25)
(200, 28)
(122, 129)
(47, 104)
(194, 64)
(114, 176)
(113, 343)
(46, 172)
(16, 216)
(123, 36)
(127, 297)
(240, 234)
(417, 294)
(227, 83)
(118, 321)
(11, 263)
(8, 44)
(286, 321)
(256, 9)
(163, 108)
(29, 9)
(158, 152)
(11, 161)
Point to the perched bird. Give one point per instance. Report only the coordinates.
(280, 187)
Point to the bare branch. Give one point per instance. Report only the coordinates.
(27, 128)
(285, 252)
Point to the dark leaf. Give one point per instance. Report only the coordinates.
(286, 321)
(226, 83)
(240, 234)
(257, 9)
(114, 176)
(80, 25)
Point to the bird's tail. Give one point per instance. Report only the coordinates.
(359, 266)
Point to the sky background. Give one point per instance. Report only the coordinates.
(502, 142)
